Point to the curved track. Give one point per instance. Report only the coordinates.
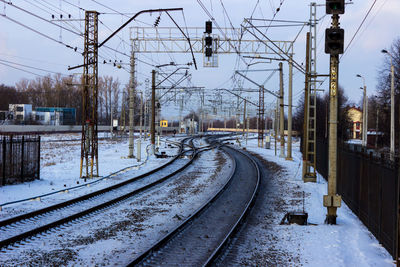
(199, 240)
(22, 227)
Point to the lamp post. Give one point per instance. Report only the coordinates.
(391, 104)
(365, 113)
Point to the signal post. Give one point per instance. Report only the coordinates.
(334, 40)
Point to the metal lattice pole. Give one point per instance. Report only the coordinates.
(131, 104)
(89, 144)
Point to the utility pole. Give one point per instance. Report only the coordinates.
(260, 125)
(236, 116)
(89, 144)
(332, 200)
(248, 125)
(276, 125)
(123, 122)
(153, 111)
(141, 113)
(365, 131)
(365, 113)
(377, 127)
(132, 84)
(334, 39)
(289, 144)
(244, 117)
(282, 112)
(392, 152)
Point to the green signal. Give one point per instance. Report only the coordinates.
(335, 6)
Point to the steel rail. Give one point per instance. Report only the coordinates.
(43, 228)
(218, 251)
(87, 196)
(164, 240)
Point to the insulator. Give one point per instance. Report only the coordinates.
(157, 21)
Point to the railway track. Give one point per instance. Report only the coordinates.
(23, 227)
(200, 239)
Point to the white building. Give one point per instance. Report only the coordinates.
(47, 117)
(21, 112)
(189, 126)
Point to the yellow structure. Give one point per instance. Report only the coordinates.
(164, 123)
(294, 133)
(355, 116)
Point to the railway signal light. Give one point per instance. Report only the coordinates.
(208, 27)
(208, 41)
(208, 51)
(334, 41)
(335, 7)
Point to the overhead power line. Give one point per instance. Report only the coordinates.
(74, 5)
(359, 27)
(21, 69)
(26, 66)
(40, 33)
(39, 17)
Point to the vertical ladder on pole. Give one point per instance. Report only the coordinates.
(311, 175)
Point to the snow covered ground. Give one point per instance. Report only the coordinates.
(60, 163)
(349, 243)
(116, 236)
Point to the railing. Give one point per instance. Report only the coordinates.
(20, 159)
(369, 185)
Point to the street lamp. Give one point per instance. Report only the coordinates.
(391, 105)
(365, 113)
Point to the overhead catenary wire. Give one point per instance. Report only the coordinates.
(359, 27)
(31, 67)
(125, 15)
(39, 17)
(354, 35)
(77, 6)
(27, 71)
(44, 9)
(34, 60)
(40, 33)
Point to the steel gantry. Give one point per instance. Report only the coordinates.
(89, 144)
(229, 41)
(171, 40)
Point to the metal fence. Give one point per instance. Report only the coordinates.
(369, 186)
(20, 159)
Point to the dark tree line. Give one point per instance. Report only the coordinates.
(379, 104)
(322, 116)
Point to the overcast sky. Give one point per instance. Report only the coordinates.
(23, 46)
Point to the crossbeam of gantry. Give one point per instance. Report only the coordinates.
(229, 40)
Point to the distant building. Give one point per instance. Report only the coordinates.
(56, 116)
(23, 113)
(188, 126)
(355, 116)
(20, 112)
